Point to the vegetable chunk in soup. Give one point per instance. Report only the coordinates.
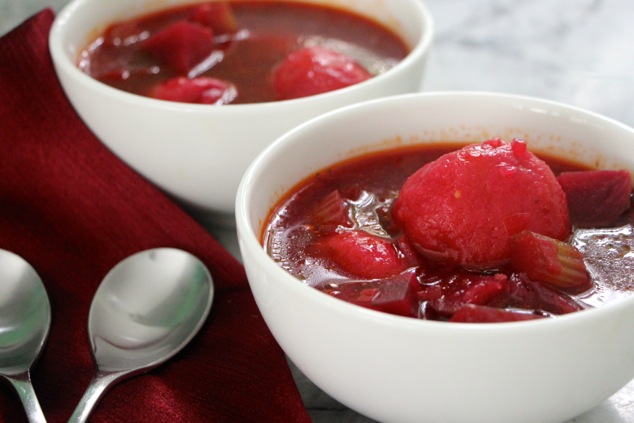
(464, 207)
(487, 232)
(241, 52)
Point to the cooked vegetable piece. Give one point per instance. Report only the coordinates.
(332, 210)
(596, 198)
(365, 255)
(202, 90)
(483, 314)
(395, 294)
(181, 45)
(464, 207)
(215, 15)
(549, 261)
(485, 289)
(528, 294)
(456, 289)
(315, 70)
(430, 293)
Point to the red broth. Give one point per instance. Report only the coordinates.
(298, 225)
(267, 32)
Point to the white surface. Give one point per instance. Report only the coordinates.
(577, 52)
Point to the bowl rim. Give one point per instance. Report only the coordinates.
(57, 50)
(250, 243)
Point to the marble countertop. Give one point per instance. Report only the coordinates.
(580, 53)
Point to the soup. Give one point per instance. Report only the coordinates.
(337, 232)
(241, 52)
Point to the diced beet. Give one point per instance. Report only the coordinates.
(202, 90)
(364, 255)
(217, 15)
(527, 294)
(429, 293)
(443, 308)
(464, 207)
(181, 45)
(462, 288)
(483, 314)
(550, 261)
(316, 70)
(395, 294)
(332, 210)
(596, 198)
(485, 289)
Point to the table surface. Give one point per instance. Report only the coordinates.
(580, 53)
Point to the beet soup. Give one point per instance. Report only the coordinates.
(342, 231)
(237, 52)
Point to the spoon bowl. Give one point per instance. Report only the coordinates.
(25, 320)
(147, 308)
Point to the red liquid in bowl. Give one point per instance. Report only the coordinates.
(260, 36)
(335, 232)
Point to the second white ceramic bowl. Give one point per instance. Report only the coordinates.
(398, 369)
(198, 153)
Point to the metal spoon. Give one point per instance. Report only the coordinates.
(25, 319)
(148, 307)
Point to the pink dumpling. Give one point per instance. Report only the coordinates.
(464, 207)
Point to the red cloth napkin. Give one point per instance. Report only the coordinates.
(73, 210)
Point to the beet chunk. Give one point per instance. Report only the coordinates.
(316, 70)
(530, 295)
(454, 292)
(201, 90)
(365, 255)
(463, 208)
(332, 210)
(182, 45)
(596, 198)
(395, 294)
(217, 16)
(482, 314)
(485, 289)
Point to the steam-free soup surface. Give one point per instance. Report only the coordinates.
(265, 34)
(357, 196)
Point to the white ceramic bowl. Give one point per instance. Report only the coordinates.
(398, 369)
(198, 153)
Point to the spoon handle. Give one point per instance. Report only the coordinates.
(23, 386)
(99, 384)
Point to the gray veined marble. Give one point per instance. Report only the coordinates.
(579, 52)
